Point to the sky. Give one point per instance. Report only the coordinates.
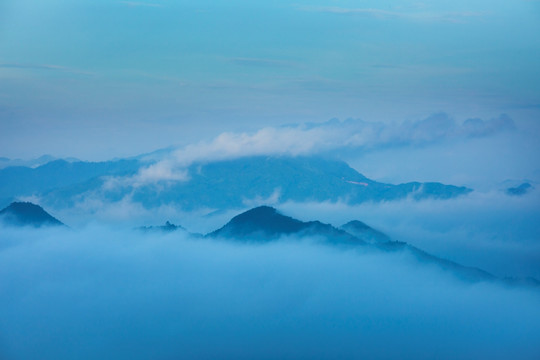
(101, 79)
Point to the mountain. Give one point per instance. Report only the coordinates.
(233, 183)
(168, 227)
(217, 185)
(365, 232)
(27, 214)
(265, 224)
(520, 190)
(239, 182)
(263, 220)
(19, 181)
(5, 162)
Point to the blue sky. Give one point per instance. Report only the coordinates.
(98, 79)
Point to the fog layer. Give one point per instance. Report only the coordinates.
(99, 293)
(490, 230)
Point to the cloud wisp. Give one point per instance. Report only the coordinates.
(47, 67)
(100, 293)
(262, 62)
(140, 4)
(449, 17)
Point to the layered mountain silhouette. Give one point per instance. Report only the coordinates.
(78, 176)
(265, 224)
(226, 184)
(27, 214)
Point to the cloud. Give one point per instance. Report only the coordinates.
(479, 127)
(109, 294)
(334, 134)
(47, 67)
(272, 199)
(489, 230)
(140, 4)
(452, 17)
(161, 171)
(320, 138)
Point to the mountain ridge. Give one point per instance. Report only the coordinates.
(254, 226)
(223, 184)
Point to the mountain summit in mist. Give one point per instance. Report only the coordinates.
(27, 214)
(264, 223)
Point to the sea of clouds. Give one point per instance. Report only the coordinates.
(103, 293)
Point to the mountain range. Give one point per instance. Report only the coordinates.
(224, 184)
(265, 224)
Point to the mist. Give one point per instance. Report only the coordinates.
(170, 97)
(110, 294)
(490, 230)
(486, 229)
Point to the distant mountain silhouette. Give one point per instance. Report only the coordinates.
(231, 183)
(264, 223)
(168, 227)
(27, 214)
(262, 220)
(226, 184)
(520, 190)
(6, 162)
(365, 232)
(61, 175)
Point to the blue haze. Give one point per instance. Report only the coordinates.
(102, 293)
(402, 91)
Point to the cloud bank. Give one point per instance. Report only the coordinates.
(107, 294)
(489, 230)
(321, 138)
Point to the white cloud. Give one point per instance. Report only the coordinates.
(317, 138)
(272, 199)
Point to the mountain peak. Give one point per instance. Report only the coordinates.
(260, 213)
(168, 227)
(27, 213)
(357, 224)
(262, 220)
(265, 223)
(365, 232)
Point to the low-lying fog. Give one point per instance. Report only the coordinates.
(99, 293)
(490, 230)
